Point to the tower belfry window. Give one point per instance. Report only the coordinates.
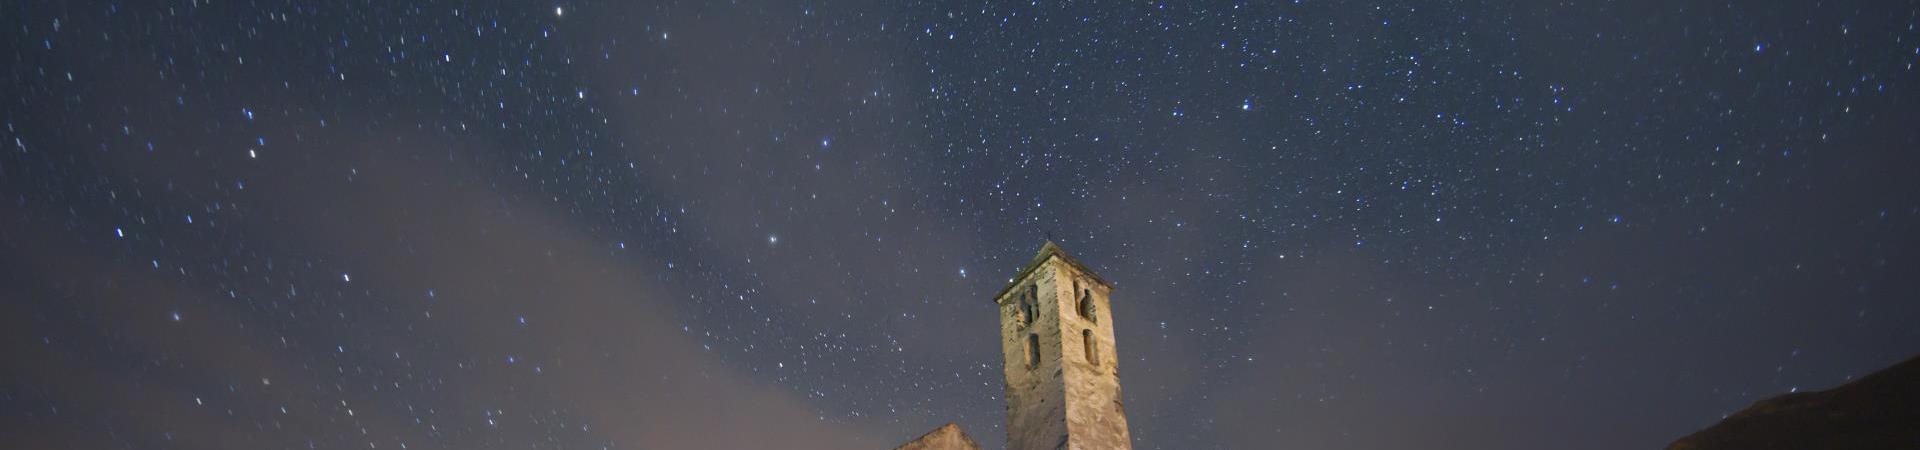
(1086, 308)
(1029, 306)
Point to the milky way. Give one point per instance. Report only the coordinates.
(747, 224)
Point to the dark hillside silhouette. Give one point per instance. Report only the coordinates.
(1879, 411)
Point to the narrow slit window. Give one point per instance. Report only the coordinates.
(1033, 350)
(1093, 349)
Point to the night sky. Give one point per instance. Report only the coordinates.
(747, 224)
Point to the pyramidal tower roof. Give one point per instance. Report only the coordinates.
(1050, 250)
(946, 437)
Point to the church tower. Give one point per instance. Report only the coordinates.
(1056, 333)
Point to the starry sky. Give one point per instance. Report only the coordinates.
(750, 224)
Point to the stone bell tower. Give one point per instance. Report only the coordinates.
(1056, 333)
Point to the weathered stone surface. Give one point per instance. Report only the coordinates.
(1071, 397)
(1879, 411)
(947, 437)
(1036, 394)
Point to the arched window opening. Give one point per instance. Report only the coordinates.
(1093, 349)
(1033, 350)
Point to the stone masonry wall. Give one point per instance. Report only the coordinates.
(1096, 417)
(1036, 413)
